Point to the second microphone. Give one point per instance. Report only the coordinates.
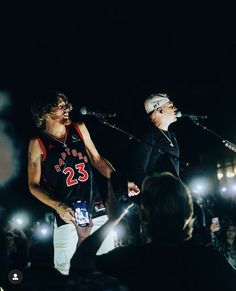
(85, 111)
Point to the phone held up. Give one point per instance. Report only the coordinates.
(81, 213)
(215, 221)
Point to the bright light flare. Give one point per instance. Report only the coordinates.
(229, 174)
(200, 186)
(20, 220)
(220, 176)
(114, 234)
(43, 231)
(234, 187)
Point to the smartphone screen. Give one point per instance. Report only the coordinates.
(215, 220)
(81, 213)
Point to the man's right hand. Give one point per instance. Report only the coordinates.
(65, 212)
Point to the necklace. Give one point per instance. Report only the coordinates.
(63, 142)
(167, 137)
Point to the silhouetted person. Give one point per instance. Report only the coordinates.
(169, 261)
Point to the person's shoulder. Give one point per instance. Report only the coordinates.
(34, 141)
(147, 125)
(148, 130)
(203, 251)
(36, 134)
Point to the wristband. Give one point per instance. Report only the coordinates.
(59, 205)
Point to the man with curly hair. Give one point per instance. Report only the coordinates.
(60, 161)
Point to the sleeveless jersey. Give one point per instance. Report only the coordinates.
(66, 169)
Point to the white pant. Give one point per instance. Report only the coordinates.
(65, 240)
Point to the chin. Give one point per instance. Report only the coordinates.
(67, 121)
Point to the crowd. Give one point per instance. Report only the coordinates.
(169, 257)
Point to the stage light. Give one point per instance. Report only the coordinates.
(220, 176)
(223, 189)
(229, 174)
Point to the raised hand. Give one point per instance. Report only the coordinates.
(133, 189)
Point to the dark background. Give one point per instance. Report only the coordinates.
(109, 56)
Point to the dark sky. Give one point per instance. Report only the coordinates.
(109, 56)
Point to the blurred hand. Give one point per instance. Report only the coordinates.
(133, 189)
(83, 231)
(115, 209)
(214, 227)
(66, 213)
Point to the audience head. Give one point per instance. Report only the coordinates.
(166, 208)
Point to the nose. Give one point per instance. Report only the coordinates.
(68, 107)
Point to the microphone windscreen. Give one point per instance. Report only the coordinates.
(83, 110)
(178, 114)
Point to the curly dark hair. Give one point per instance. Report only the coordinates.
(45, 105)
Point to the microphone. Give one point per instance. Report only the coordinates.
(191, 116)
(84, 111)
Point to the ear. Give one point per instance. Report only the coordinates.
(160, 110)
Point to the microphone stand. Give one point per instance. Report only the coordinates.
(130, 136)
(227, 143)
